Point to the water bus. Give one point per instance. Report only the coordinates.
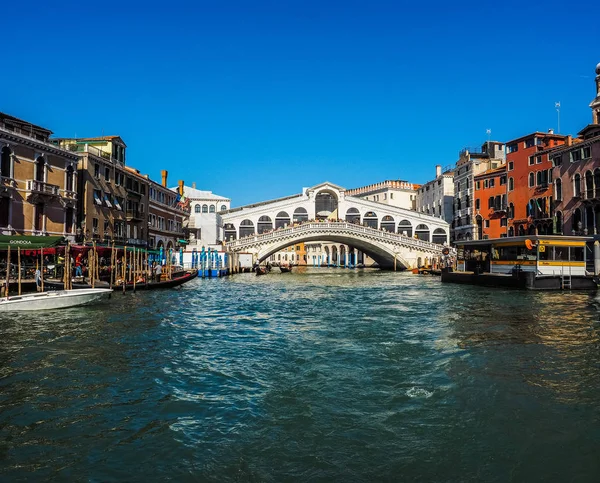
(538, 262)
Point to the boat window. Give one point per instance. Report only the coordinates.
(577, 254)
(516, 253)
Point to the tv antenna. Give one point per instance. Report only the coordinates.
(557, 106)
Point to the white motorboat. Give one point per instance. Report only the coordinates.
(59, 299)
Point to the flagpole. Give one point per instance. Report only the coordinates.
(557, 106)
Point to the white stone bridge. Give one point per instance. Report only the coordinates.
(382, 231)
(389, 250)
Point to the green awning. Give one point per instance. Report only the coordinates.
(29, 242)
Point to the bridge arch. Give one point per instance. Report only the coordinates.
(377, 251)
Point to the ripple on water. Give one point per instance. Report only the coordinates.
(332, 375)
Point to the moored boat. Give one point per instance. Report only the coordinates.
(59, 299)
(285, 268)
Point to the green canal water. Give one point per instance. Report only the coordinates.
(325, 375)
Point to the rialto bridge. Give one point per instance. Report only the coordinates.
(390, 235)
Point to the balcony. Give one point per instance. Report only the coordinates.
(134, 215)
(40, 192)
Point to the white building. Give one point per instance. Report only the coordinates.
(436, 197)
(390, 192)
(204, 225)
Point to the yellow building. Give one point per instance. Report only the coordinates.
(37, 181)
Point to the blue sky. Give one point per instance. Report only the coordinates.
(254, 100)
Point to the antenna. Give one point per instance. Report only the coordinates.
(557, 106)
(489, 134)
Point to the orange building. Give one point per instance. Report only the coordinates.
(490, 203)
(529, 172)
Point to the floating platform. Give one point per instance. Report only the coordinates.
(522, 280)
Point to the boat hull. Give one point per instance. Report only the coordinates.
(59, 299)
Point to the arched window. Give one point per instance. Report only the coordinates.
(282, 220)
(511, 184)
(223, 207)
(589, 185)
(511, 211)
(577, 224)
(264, 224)
(300, 215)
(246, 228)
(577, 185)
(212, 209)
(597, 182)
(405, 228)
(422, 232)
(388, 224)
(197, 209)
(353, 215)
(370, 219)
(439, 236)
(511, 231)
(531, 180)
(558, 190)
(204, 208)
(6, 162)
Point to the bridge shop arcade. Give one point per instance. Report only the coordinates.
(538, 262)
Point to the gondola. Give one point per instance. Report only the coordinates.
(261, 271)
(175, 282)
(285, 269)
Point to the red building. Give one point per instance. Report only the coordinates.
(490, 203)
(529, 187)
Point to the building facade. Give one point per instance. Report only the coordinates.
(471, 162)
(204, 226)
(390, 192)
(529, 172)
(490, 204)
(38, 181)
(100, 186)
(166, 215)
(436, 197)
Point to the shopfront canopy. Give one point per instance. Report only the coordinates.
(29, 242)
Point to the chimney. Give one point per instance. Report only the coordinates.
(164, 174)
(180, 187)
(569, 140)
(438, 170)
(194, 185)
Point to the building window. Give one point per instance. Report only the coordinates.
(557, 161)
(502, 180)
(39, 217)
(69, 182)
(529, 143)
(577, 185)
(212, 209)
(511, 165)
(107, 174)
(491, 202)
(40, 169)
(503, 222)
(511, 148)
(538, 160)
(391, 196)
(477, 185)
(492, 183)
(98, 197)
(487, 223)
(6, 163)
(531, 180)
(576, 155)
(197, 209)
(477, 204)
(204, 208)
(223, 207)
(558, 190)
(531, 160)
(587, 152)
(96, 170)
(511, 184)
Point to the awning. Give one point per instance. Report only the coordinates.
(182, 242)
(29, 242)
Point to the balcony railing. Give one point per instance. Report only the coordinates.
(134, 215)
(72, 195)
(35, 186)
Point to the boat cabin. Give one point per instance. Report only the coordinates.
(545, 255)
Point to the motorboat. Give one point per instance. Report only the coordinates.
(59, 299)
